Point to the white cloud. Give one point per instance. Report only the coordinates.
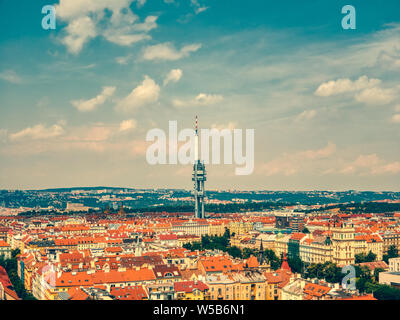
(198, 8)
(87, 19)
(140, 3)
(92, 104)
(229, 126)
(166, 51)
(202, 99)
(38, 132)
(290, 164)
(122, 60)
(366, 90)
(376, 96)
(201, 9)
(127, 125)
(10, 76)
(147, 92)
(173, 76)
(320, 153)
(335, 87)
(395, 118)
(306, 115)
(371, 164)
(79, 31)
(3, 135)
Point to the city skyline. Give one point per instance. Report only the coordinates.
(323, 101)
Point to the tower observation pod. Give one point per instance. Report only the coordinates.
(198, 177)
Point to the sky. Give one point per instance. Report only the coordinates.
(77, 102)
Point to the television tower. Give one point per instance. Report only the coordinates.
(199, 176)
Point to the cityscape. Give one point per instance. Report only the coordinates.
(281, 184)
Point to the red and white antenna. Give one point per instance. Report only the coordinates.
(196, 143)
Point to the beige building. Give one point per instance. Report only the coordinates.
(240, 227)
(316, 249)
(343, 244)
(242, 285)
(392, 277)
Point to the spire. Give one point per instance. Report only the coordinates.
(260, 257)
(196, 142)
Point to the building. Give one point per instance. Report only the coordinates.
(394, 264)
(161, 291)
(197, 227)
(5, 250)
(391, 238)
(343, 244)
(191, 290)
(316, 249)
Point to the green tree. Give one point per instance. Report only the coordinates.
(305, 230)
(296, 264)
(247, 252)
(235, 252)
(385, 292)
(376, 273)
(363, 277)
(392, 253)
(332, 273)
(273, 260)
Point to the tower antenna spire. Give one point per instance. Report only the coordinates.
(199, 177)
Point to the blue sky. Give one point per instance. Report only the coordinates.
(77, 102)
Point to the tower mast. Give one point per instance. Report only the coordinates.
(198, 177)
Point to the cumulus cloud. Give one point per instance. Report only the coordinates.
(197, 7)
(3, 135)
(38, 132)
(339, 86)
(79, 31)
(365, 90)
(92, 104)
(146, 93)
(173, 76)
(371, 164)
(376, 96)
(229, 126)
(306, 115)
(88, 19)
(202, 99)
(319, 153)
(122, 60)
(291, 163)
(395, 118)
(10, 76)
(127, 125)
(166, 51)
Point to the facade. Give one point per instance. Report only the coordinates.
(5, 250)
(316, 249)
(390, 238)
(343, 244)
(192, 227)
(191, 290)
(394, 264)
